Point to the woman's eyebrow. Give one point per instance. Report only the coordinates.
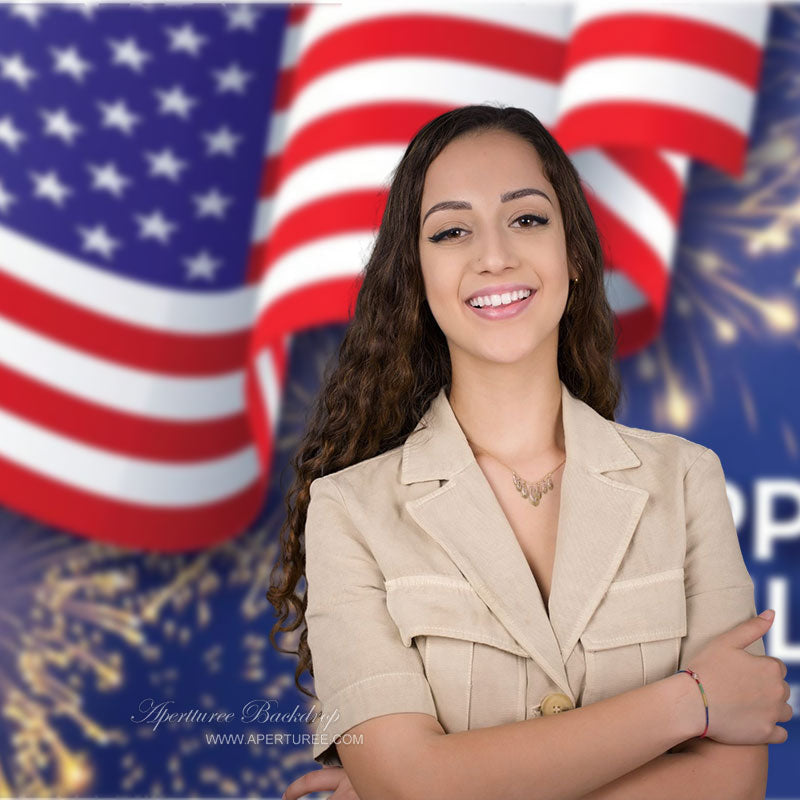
(460, 205)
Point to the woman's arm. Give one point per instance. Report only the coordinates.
(727, 771)
(700, 769)
(567, 755)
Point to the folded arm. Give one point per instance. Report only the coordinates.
(699, 769)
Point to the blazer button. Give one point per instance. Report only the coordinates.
(556, 703)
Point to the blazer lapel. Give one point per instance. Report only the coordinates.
(597, 518)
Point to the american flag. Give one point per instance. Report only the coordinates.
(183, 188)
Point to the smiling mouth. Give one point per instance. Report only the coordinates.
(499, 300)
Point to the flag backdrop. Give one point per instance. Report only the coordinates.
(174, 216)
(184, 189)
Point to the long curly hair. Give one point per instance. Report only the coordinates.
(394, 359)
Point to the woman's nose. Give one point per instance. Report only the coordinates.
(494, 251)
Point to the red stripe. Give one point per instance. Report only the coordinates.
(439, 37)
(648, 169)
(323, 303)
(255, 260)
(635, 330)
(133, 525)
(120, 342)
(270, 167)
(626, 252)
(328, 216)
(653, 125)
(655, 36)
(298, 12)
(283, 89)
(118, 431)
(363, 125)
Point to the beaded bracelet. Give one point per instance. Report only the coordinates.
(691, 673)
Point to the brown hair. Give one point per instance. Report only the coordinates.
(393, 358)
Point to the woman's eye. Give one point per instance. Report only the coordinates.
(540, 220)
(443, 235)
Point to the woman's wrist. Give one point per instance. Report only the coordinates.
(684, 698)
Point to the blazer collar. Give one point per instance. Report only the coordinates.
(597, 517)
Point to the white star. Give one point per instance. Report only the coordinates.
(202, 265)
(108, 177)
(241, 17)
(185, 38)
(58, 123)
(175, 101)
(6, 199)
(222, 141)
(70, 62)
(13, 68)
(165, 163)
(98, 240)
(29, 12)
(155, 226)
(117, 115)
(212, 204)
(127, 53)
(232, 79)
(48, 185)
(10, 135)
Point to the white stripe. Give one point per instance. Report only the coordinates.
(749, 22)
(356, 168)
(290, 48)
(122, 299)
(267, 373)
(262, 220)
(552, 19)
(628, 200)
(623, 296)
(276, 134)
(385, 80)
(122, 388)
(342, 256)
(124, 478)
(678, 163)
(661, 81)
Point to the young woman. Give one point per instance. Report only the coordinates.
(484, 547)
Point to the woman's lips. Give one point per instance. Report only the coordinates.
(503, 312)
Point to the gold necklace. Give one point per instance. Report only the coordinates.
(530, 491)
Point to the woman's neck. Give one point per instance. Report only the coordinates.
(518, 424)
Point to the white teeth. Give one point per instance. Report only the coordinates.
(499, 299)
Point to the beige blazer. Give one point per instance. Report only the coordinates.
(421, 599)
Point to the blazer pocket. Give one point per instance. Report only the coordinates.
(634, 636)
(475, 668)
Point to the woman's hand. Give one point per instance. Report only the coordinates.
(322, 780)
(747, 693)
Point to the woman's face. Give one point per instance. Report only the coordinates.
(497, 240)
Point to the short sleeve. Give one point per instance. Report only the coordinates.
(719, 589)
(362, 669)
